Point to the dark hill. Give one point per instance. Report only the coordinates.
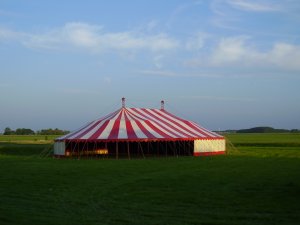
(263, 130)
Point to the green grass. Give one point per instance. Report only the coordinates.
(264, 145)
(270, 139)
(28, 138)
(258, 182)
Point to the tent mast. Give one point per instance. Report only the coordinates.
(123, 102)
(162, 105)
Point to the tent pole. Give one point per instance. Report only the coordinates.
(141, 149)
(174, 148)
(191, 147)
(148, 147)
(78, 150)
(95, 148)
(117, 150)
(166, 148)
(84, 144)
(128, 152)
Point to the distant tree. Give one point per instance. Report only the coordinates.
(8, 131)
(24, 131)
(51, 131)
(295, 131)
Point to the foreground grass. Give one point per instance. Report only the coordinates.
(251, 185)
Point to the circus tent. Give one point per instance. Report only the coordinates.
(142, 132)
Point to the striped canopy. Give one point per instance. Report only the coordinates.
(140, 124)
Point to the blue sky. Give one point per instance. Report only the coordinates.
(225, 64)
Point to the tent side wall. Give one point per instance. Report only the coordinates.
(59, 148)
(204, 147)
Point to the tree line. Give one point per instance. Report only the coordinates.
(27, 131)
(266, 130)
(262, 130)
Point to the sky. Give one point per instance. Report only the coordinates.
(224, 64)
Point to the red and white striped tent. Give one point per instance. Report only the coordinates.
(130, 131)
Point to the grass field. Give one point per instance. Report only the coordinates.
(27, 138)
(257, 182)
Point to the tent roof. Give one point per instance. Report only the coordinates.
(140, 124)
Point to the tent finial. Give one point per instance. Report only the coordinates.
(123, 102)
(162, 105)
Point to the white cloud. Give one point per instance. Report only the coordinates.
(93, 38)
(130, 40)
(81, 34)
(285, 55)
(256, 6)
(230, 50)
(239, 52)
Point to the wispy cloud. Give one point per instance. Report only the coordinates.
(255, 6)
(10, 35)
(223, 15)
(230, 14)
(92, 38)
(165, 73)
(175, 14)
(180, 10)
(151, 25)
(197, 41)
